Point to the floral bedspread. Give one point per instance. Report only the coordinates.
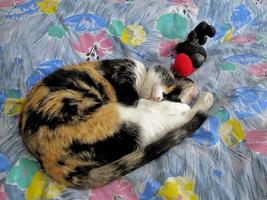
(224, 159)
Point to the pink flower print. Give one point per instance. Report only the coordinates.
(258, 70)
(8, 3)
(245, 39)
(116, 190)
(181, 1)
(105, 44)
(167, 49)
(256, 140)
(88, 41)
(3, 194)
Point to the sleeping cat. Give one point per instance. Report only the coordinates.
(94, 122)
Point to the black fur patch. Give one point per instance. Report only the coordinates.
(91, 96)
(68, 113)
(80, 172)
(37, 119)
(61, 162)
(159, 147)
(196, 122)
(104, 95)
(80, 150)
(173, 95)
(77, 147)
(126, 94)
(117, 67)
(69, 107)
(90, 110)
(34, 121)
(121, 143)
(120, 73)
(67, 79)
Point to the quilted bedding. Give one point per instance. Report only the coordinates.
(224, 159)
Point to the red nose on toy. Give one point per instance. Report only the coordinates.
(183, 65)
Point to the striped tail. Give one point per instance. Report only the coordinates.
(103, 175)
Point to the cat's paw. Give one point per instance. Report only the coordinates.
(173, 108)
(205, 101)
(188, 94)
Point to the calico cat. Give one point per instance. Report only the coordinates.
(90, 123)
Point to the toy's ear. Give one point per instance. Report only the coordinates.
(203, 29)
(210, 31)
(200, 28)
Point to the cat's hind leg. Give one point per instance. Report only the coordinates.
(167, 107)
(156, 120)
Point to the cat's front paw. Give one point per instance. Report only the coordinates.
(173, 108)
(205, 101)
(188, 94)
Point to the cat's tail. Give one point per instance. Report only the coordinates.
(102, 175)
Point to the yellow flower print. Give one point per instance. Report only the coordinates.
(43, 188)
(178, 188)
(48, 6)
(228, 36)
(53, 190)
(13, 106)
(232, 132)
(133, 35)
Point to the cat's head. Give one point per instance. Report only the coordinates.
(162, 84)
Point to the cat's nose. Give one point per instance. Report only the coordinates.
(157, 98)
(157, 93)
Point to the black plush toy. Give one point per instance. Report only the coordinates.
(190, 53)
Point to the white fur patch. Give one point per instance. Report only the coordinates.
(152, 78)
(155, 119)
(140, 73)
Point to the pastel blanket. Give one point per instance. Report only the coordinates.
(224, 159)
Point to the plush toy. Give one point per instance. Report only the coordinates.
(190, 53)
